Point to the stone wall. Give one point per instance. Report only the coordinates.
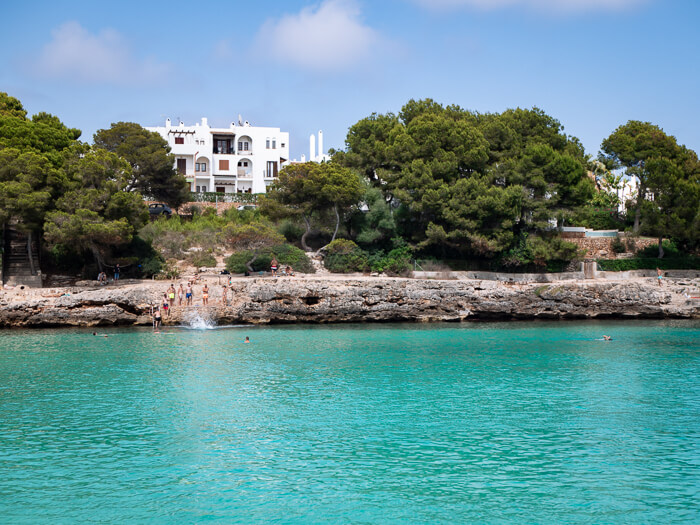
(601, 247)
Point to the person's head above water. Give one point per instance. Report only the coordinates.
(247, 339)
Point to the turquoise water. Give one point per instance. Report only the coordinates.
(486, 423)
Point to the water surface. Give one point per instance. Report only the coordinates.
(503, 422)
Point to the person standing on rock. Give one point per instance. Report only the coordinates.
(205, 294)
(659, 275)
(273, 267)
(180, 294)
(171, 295)
(166, 305)
(189, 293)
(224, 295)
(117, 271)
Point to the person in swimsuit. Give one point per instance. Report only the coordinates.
(180, 294)
(247, 339)
(659, 275)
(171, 295)
(205, 294)
(607, 338)
(166, 305)
(188, 294)
(273, 267)
(156, 319)
(224, 295)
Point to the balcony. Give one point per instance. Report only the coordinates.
(224, 150)
(244, 174)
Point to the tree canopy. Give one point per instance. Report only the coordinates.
(473, 182)
(152, 172)
(668, 180)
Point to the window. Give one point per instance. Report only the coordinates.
(223, 165)
(271, 169)
(243, 163)
(267, 144)
(223, 146)
(243, 145)
(200, 166)
(274, 144)
(282, 145)
(179, 140)
(220, 189)
(181, 166)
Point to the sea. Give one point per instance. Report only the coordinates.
(508, 422)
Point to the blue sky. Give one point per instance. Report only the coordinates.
(304, 65)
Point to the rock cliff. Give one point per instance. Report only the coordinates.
(321, 300)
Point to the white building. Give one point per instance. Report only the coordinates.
(238, 159)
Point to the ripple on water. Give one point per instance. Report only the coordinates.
(442, 423)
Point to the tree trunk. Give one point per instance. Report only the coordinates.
(249, 264)
(661, 248)
(638, 209)
(306, 233)
(337, 222)
(29, 253)
(97, 256)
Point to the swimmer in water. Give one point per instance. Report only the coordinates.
(247, 339)
(607, 338)
(101, 335)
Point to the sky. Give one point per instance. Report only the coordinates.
(308, 65)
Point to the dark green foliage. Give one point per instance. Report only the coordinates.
(286, 255)
(344, 256)
(537, 254)
(649, 263)
(469, 183)
(152, 171)
(670, 250)
(617, 246)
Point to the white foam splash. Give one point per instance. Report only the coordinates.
(197, 320)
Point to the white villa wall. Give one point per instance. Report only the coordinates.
(199, 147)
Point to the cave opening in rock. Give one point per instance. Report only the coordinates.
(311, 300)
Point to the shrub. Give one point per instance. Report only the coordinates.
(670, 250)
(344, 256)
(617, 246)
(649, 263)
(169, 271)
(286, 255)
(202, 259)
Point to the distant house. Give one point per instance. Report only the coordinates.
(238, 159)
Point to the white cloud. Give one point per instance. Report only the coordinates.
(105, 58)
(330, 36)
(544, 5)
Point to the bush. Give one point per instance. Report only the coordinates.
(169, 271)
(670, 250)
(649, 263)
(344, 256)
(202, 259)
(617, 246)
(396, 262)
(286, 255)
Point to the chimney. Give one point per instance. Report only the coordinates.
(320, 145)
(312, 147)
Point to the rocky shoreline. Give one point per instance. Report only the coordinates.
(359, 299)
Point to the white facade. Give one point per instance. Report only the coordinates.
(238, 159)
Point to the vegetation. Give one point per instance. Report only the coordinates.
(440, 183)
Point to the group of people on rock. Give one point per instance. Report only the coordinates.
(276, 271)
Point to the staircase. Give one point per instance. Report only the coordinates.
(16, 268)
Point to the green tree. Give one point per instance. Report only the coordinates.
(255, 238)
(472, 183)
(32, 152)
(152, 171)
(311, 188)
(97, 212)
(667, 176)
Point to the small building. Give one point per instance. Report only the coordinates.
(238, 159)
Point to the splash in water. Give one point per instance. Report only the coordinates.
(199, 320)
